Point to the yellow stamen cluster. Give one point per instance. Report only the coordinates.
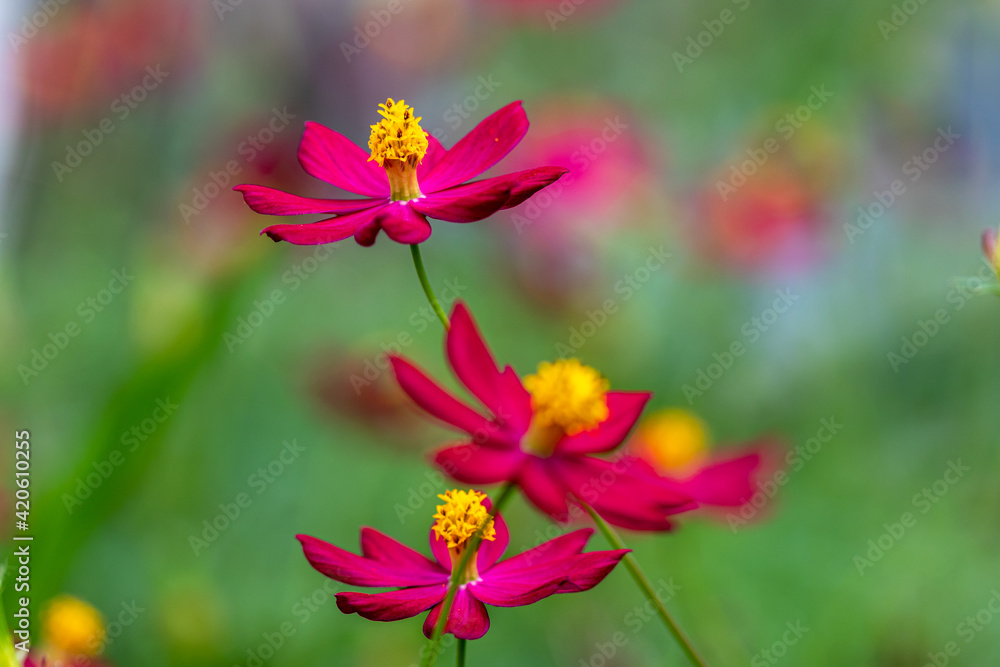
(672, 439)
(398, 135)
(72, 627)
(461, 515)
(567, 395)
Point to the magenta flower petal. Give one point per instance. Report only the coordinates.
(392, 605)
(516, 403)
(275, 202)
(480, 464)
(435, 400)
(480, 199)
(590, 569)
(435, 151)
(468, 618)
(324, 231)
(624, 409)
(990, 245)
(556, 566)
(725, 483)
(332, 157)
(350, 568)
(626, 492)
(492, 550)
(382, 548)
(480, 149)
(366, 233)
(472, 360)
(531, 181)
(439, 548)
(534, 566)
(403, 224)
(538, 481)
(647, 522)
(513, 593)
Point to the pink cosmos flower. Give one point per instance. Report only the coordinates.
(992, 249)
(772, 222)
(556, 566)
(420, 179)
(674, 444)
(556, 247)
(540, 433)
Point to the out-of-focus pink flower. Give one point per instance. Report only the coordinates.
(418, 37)
(354, 386)
(768, 208)
(408, 178)
(87, 55)
(771, 221)
(556, 242)
(991, 249)
(541, 433)
(556, 566)
(552, 13)
(675, 443)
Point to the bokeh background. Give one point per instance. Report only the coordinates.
(126, 122)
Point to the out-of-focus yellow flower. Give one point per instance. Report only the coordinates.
(672, 440)
(72, 628)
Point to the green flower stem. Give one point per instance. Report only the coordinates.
(434, 643)
(991, 288)
(8, 656)
(461, 653)
(647, 589)
(418, 263)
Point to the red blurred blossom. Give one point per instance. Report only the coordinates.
(352, 386)
(551, 13)
(557, 240)
(771, 221)
(419, 37)
(991, 249)
(769, 211)
(88, 54)
(418, 179)
(419, 583)
(528, 438)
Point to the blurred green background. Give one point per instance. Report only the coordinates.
(766, 147)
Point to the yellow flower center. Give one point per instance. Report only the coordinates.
(398, 144)
(567, 397)
(673, 439)
(72, 627)
(457, 521)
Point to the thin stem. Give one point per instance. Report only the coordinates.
(434, 643)
(647, 589)
(418, 263)
(990, 288)
(461, 653)
(8, 656)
